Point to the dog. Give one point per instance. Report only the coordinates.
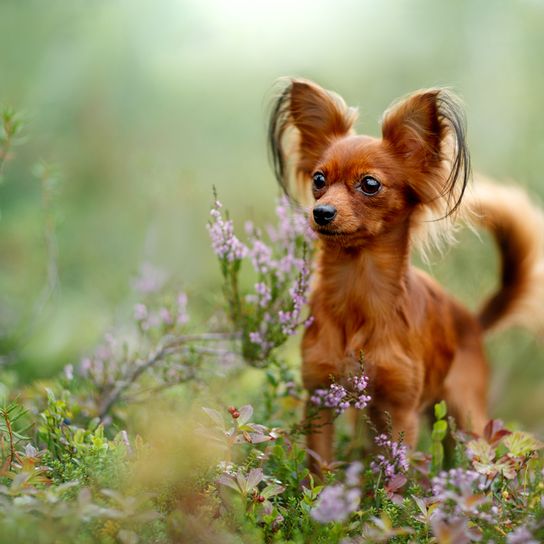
(374, 199)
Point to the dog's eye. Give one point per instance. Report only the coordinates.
(319, 181)
(369, 185)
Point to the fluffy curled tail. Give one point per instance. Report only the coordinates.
(518, 228)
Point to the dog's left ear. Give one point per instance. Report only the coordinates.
(427, 130)
(313, 117)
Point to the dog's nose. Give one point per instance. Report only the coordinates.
(324, 214)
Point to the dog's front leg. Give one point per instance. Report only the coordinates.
(405, 424)
(402, 421)
(319, 440)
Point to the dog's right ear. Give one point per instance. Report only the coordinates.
(318, 117)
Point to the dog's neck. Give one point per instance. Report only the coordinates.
(365, 284)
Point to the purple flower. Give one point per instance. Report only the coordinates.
(521, 535)
(333, 397)
(394, 461)
(460, 493)
(30, 451)
(165, 316)
(291, 318)
(261, 256)
(292, 223)
(264, 295)
(336, 503)
(457, 483)
(140, 312)
(183, 317)
(224, 242)
(276, 307)
(69, 372)
(340, 398)
(353, 472)
(150, 279)
(259, 339)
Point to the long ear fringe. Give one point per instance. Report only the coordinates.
(437, 222)
(452, 118)
(289, 148)
(283, 145)
(279, 123)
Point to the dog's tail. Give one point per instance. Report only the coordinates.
(518, 228)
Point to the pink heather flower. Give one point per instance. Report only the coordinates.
(140, 312)
(340, 398)
(291, 319)
(521, 535)
(395, 460)
(459, 488)
(261, 256)
(309, 321)
(30, 451)
(154, 319)
(265, 295)
(259, 339)
(165, 316)
(249, 227)
(224, 242)
(280, 295)
(292, 223)
(333, 397)
(124, 438)
(456, 482)
(336, 503)
(183, 317)
(255, 337)
(69, 372)
(353, 472)
(150, 279)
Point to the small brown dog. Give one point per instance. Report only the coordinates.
(374, 199)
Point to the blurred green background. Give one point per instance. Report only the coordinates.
(142, 106)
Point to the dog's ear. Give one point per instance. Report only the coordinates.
(427, 130)
(318, 117)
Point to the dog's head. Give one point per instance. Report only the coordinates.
(365, 187)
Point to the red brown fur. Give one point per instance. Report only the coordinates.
(420, 345)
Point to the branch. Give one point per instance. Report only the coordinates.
(5, 415)
(168, 348)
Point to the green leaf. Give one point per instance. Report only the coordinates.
(437, 452)
(271, 490)
(520, 443)
(440, 410)
(440, 429)
(215, 416)
(245, 414)
(480, 449)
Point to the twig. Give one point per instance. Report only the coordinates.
(168, 348)
(5, 415)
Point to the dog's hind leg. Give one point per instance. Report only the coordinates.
(466, 385)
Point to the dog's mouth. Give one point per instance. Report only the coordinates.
(326, 232)
(332, 232)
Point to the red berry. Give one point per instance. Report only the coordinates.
(260, 498)
(235, 414)
(231, 409)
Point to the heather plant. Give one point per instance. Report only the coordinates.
(11, 126)
(340, 398)
(274, 310)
